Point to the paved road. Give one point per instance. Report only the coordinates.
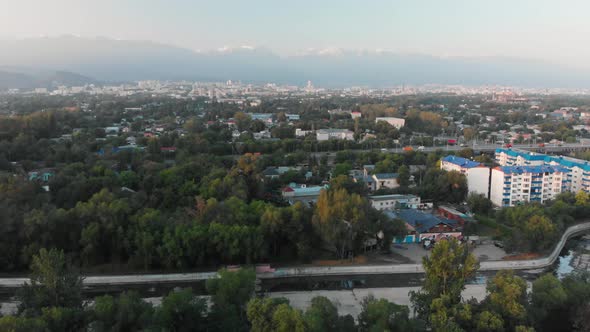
(478, 148)
(532, 264)
(154, 279)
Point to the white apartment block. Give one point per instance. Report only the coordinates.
(513, 185)
(395, 122)
(578, 177)
(478, 176)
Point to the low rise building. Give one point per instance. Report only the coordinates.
(386, 180)
(391, 202)
(341, 134)
(424, 226)
(302, 193)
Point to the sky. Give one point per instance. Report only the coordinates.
(554, 30)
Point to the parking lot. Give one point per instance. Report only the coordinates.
(414, 252)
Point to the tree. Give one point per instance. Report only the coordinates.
(382, 315)
(128, 312)
(322, 315)
(260, 313)
(230, 293)
(548, 298)
(540, 232)
(182, 311)
(242, 120)
(582, 198)
(342, 220)
(287, 319)
(479, 203)
(404, 176)
(447, 269)
(54, 283)
(507, 298)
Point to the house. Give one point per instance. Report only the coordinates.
(302, 193)
(386, 180)
(394, 122)
(477, 174)
(293, 117)
(302, 133)
(328, 134)
(424, 226)
(391, 202)
(272, 172)
(453, 214)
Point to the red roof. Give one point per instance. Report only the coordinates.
(288, 189)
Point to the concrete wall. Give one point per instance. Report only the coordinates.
(478, 180)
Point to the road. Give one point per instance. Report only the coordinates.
(317, 271)
(566, 147)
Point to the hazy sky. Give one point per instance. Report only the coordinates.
(557, 30)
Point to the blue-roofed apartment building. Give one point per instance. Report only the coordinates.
(477, 174)
(578, 177)
(422, 225)
(514, 185)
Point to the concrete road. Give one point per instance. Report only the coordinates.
(348, 302)
(317, 271)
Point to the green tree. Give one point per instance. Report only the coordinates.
(479, 203)
(260, 313)
(287, 319)
(548, 298)
(230, 293)
(128, 312)
(507, 298)
(181, 311)
(447, 269)
(54, 283)
(322, 315)
(540, 232)
(382, 315)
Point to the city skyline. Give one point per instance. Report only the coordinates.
(525, 29)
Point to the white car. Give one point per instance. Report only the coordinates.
(421, 147)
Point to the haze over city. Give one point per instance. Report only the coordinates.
(305, 166)
(536, 29)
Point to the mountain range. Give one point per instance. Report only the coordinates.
(51, 60)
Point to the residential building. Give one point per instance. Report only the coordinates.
(395, 122)
(478, 175)
(578, 177)
(424, 226)
(327, 134)
(514, 185)
(302, 133)
(302, 193)
(391, 202)
(386, 180)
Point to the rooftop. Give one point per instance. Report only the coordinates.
(465, 163)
